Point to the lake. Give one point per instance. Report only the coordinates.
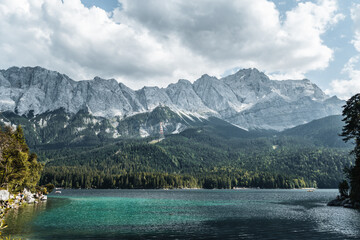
(185, 214)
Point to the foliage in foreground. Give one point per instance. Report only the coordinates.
(351, 131)
(18, 167)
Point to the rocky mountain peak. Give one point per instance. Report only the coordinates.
(112, 84)
(247, 98)
(250, 75)
(207, 77)
(26, 77)
(184, 82)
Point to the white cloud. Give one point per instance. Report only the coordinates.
(355, 16)
(286, 76)
(82, 42)
(345, 88)
(247, 33)
(156, 42)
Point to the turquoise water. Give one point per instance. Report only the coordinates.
(185, 214)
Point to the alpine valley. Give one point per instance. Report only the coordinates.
(243, 130)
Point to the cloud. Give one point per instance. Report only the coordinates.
(355, 16)
(68, 37)
(345, 88)
(156, 42)
(247, 33)
(286, 76)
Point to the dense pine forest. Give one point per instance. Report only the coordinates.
(198, 158)
(211, 155)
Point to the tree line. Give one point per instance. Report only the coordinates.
(258, 165)
(86, 177)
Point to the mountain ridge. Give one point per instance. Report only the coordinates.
(248, 98)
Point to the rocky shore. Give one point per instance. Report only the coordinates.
(344, 202)
(8, 200)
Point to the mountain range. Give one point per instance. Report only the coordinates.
(247, 99)
(240, 130)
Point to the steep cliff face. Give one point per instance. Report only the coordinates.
(217, 95)
(247, 98)
(184, 97)
(278, 105)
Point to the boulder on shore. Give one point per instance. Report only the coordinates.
(4, 195)
(30, 200)
(344, 202)
(335, 202)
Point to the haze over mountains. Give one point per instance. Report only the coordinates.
(248, 98)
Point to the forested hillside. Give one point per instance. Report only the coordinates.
(207, 156)
(210, 153)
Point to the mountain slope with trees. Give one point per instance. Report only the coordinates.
(201, 157)
(209, 153)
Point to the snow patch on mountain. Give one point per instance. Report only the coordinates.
(248, 98)
(143, 133)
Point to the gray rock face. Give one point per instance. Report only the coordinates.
(151, 97)
(217, 95)
(247, 98)
(184, 97)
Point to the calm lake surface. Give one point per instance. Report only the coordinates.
(185, 214)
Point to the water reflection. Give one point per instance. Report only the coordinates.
(20, 220)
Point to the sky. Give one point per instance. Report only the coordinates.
(156, 42)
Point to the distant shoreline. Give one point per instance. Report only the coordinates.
(166, 189)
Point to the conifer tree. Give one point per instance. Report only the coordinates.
(351, 131)
(18, 168)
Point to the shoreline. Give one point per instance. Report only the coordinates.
(344, 202)
(10, 200)
(166, 189)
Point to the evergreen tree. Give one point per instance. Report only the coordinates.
(351, 131)
(18, 168)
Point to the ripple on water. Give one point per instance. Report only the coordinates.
(200, 214)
